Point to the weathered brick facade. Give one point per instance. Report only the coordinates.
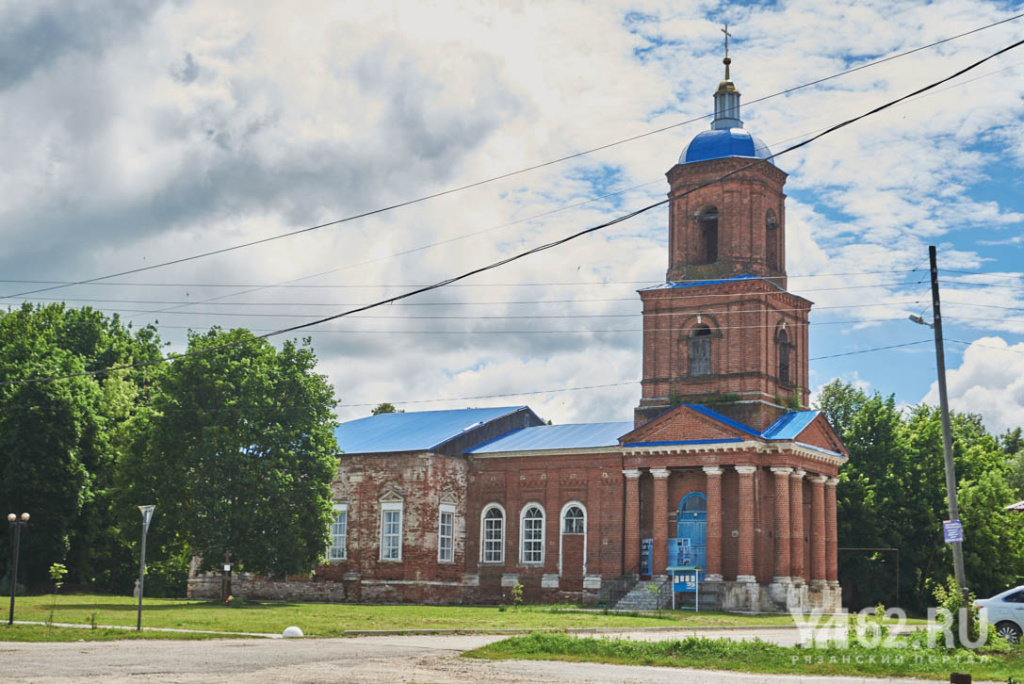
(463, 506)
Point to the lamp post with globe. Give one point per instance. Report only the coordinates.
(16, 525)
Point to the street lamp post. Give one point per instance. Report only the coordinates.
(147, 515)
(947, 435)
(16, 525)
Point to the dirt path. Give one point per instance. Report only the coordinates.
(365, 660)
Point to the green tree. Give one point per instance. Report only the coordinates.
(240, 455)
(872, 498)
(385, 408)
(892, 493)
(840, 401)
(55, 437)
(1012, 443)
(994, 537)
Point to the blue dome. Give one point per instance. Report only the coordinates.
(724, 142)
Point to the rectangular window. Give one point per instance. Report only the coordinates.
(391, 531)
(446, 534)
(339, 533)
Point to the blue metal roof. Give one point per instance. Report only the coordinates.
(684, 441)
(544, 437)
(698, 283)
(790, 425)
(715, 415)
(725, 142)
(419, 431)
(821, 449)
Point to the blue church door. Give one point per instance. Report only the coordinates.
(691, 532)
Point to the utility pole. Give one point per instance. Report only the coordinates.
(947, 436)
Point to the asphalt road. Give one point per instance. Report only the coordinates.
(369, 660)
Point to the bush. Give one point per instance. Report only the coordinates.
(952, 599)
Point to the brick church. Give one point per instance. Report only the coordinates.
(719, 472)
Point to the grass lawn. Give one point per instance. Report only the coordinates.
(34, 633)
(758, 656)
(335, 619)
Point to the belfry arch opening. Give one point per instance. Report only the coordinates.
(771, 240)
(707, 236)
(784, 349)
(700, 351)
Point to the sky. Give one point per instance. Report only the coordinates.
(134, 133)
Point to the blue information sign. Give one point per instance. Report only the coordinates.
(953, 531)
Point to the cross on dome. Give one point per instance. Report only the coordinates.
(727, 138)
(726, 61)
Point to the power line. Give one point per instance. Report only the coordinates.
(1011, 276)
(485, 396)
(532, 302)
(988, 306)
(778, 292)
(573, 331)
(886, 271)
(555, 243)
(985, 346)
(524, 220)
(404, 252)
(510, 174)
(865, 351)
(528, 219)
(484, 317)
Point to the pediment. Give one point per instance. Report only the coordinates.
(688, 423)
(820, 433)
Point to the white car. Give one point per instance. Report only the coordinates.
(1006, 612)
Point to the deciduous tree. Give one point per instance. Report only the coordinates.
(241, 452)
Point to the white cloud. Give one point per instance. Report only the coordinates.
(181, 127)
(989, 381)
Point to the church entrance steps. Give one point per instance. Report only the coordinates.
(652, 594)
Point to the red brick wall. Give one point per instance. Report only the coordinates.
(551, 481)
(421, 481)
(593, 480)
(744, 318)
(742, 200)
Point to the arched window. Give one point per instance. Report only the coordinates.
(531, 532)
(492, 535)
(771, 240)
(700, 351)
(573, 521)
(693, 502)
(784, 349)
(707, 235)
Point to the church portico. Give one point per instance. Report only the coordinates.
(751, 533)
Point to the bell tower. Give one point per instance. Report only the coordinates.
(723, 331)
